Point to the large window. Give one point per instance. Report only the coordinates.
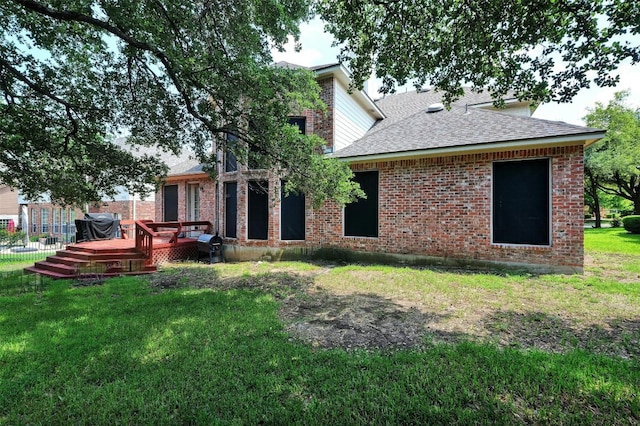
(301, 122)
(291, 216)
(230, 209)
(258, 210)
(170, 203)
(34, 221)
(521, 202)
(72, 221)
(230, 161)
(65, 221)
(193, 201)
(57, 215)
(361, 217)
(44, 223)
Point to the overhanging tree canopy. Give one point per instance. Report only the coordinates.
(169, 74)
(543, 50)
(174, 74)
(613, 164)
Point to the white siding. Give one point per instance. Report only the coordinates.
(351, 120)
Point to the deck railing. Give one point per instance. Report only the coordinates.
(145, 231)
(144, 240)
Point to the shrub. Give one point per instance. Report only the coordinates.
(11, 238)
(615, 222)
(632, 224)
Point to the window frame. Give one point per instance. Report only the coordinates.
(549, 204)
(345, 214)
(44, 224)
(265, 193)
(230, 164)
(282, 210)
(225, 194)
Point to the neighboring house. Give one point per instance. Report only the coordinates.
(45, 218)
(9, 208)
(467, 186)
(59, 221)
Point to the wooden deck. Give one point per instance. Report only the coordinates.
(153, 245)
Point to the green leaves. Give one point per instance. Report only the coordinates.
(543, 51)
(615, 161)
(173, 75)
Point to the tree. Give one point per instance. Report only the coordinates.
(592, 194)
(543, 50)
(614, 162)
(75, 74)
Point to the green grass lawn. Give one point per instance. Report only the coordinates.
(612, 241)
(125, 352)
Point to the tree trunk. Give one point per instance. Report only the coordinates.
(592, 188)
(596, 211)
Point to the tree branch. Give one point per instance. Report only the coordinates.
(70, 16)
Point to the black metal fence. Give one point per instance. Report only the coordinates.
(15, 283)
(30, 251)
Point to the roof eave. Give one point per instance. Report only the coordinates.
(584, 139)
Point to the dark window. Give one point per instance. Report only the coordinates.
(258, 206)
(361, 217)
(521, 202)
(230, 161)
(301, 122)
(291, 216)
(171, 203)
(230, 209)
(256, 159)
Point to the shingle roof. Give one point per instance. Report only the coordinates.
(187, 167)
(400, 105)
(458, 127)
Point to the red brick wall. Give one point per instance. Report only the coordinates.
(319, 122)
(435, 207)
(207, 190)
(125, 209)
(442, 207)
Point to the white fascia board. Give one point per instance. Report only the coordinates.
(486, 147)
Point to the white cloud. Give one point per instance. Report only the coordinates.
(316, 46)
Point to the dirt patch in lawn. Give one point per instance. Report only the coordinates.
(350, 321)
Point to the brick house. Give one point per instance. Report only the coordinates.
(58, 221)
(9, 209)
(469, 186)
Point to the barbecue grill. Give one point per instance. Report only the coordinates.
(212, 245)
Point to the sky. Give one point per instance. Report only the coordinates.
(317, 50)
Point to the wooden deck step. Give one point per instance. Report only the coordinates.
(50, 274)
(108, 258)
(58, 268)
(65, 260)
(100, 255)
(78, 262)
